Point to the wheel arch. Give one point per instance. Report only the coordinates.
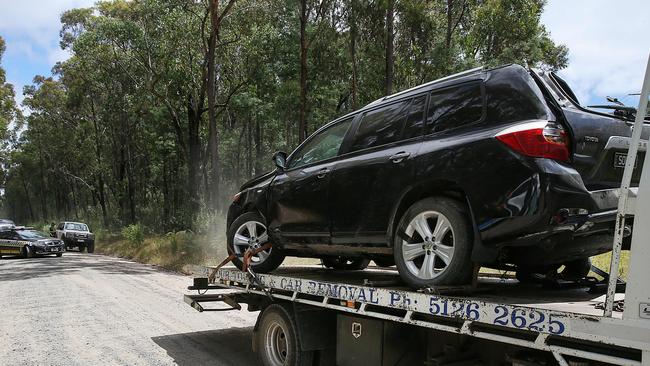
(445, 188)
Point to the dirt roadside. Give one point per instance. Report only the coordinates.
(97, 310)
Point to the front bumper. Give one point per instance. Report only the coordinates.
(52, 249)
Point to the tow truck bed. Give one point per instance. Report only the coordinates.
(561, 321)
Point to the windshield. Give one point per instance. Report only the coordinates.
(76, 227)
(31, 234)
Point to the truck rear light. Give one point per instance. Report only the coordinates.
(540, 139)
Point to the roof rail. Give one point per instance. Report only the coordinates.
(453, 76)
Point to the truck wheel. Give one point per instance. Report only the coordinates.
(433, 244)
(59, 255)
(91, 248)
(278, 341)
(249, 231)
(346, 264)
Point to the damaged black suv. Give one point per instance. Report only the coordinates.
(491, 167)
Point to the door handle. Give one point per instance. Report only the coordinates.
(322, 173)
(397, 158)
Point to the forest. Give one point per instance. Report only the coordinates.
(165, 107)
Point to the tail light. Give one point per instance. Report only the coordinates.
(540, 139)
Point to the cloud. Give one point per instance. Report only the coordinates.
(608, 45)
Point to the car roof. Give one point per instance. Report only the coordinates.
(73, 222)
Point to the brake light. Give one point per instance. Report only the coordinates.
(540, 139)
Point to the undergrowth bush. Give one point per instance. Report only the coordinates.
(134, 234)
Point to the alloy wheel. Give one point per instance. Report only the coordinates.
(430, 246)
(251, 234)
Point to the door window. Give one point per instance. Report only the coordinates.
(415, 118)
(380, 126)
(322, 146)
(454, 107)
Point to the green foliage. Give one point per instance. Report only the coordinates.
(120, 134)
(134, 234)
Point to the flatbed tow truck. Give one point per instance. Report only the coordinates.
(316, 316)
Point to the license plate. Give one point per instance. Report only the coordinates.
(54, 249)
(81, 240)
(620, 159)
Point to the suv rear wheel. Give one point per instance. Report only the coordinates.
(249, 231)
(433, 244)
(347, 264)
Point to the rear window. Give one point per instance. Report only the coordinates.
(454, 107)
(380, 126)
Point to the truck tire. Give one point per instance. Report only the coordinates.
(277, 338)
(249, 230)
(433, 244)
(346, 264)
(59, 255)
(91, 248)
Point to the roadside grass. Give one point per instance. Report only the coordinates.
(171, 251)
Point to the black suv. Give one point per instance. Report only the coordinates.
(490, 167)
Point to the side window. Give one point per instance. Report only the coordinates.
(454, 107)
(60, 227)
(415, 118)
(322, 146)
(5, 234)
(380, 126)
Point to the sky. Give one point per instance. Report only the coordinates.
(608, 42)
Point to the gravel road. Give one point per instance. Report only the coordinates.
(96, 310)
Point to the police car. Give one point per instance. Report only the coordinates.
(27, 242)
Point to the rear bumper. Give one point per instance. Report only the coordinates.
(552, 218)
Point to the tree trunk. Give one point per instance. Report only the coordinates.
(194, 157)
(390, 47)
(213, 188)
(353, 52)
(258, 146)
(450, 20)
(29, 201)
(100, 174)
(302, 118)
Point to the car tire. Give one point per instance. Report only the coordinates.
(573, 271)
(345, 264)
(424, 260)
(527, 274)
(91, 248)
(27, 252)
(59, 255)
(576, 269)
(278, 340)
(250, 229)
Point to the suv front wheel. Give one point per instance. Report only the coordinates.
(249, 231)
(433, 244)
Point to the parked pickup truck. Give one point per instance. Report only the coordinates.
(76, 235)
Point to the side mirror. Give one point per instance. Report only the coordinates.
(280, 160)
